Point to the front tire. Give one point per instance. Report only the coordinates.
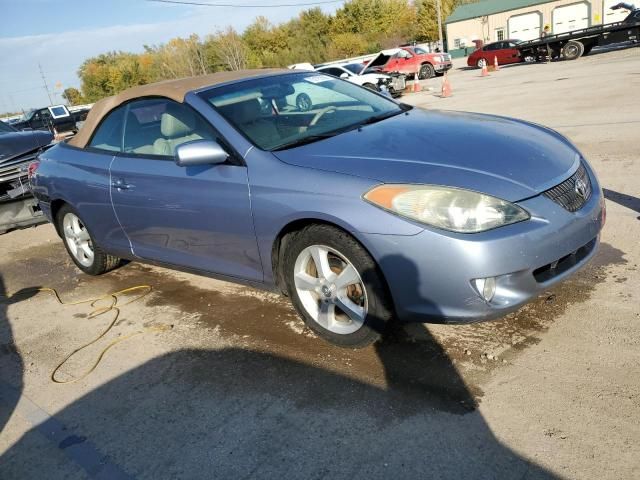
(81, 245)
(481, 63)
(336, 287)
(426, 71)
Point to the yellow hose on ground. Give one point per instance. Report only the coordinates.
(111, 306)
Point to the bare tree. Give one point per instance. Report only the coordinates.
(231, 49)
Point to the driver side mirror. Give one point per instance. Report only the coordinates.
(200, 152)
(344, 75)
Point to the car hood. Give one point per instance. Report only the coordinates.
(506, 158)
(381, 59)
(14, 144)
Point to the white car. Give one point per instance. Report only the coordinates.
(353, 72)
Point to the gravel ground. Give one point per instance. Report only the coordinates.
(226, 381)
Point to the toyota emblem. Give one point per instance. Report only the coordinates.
(580, 187)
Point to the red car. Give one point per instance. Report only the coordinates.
(409, 60)
(504, 50)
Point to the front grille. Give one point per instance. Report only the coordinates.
(14, 182)
(574, 192)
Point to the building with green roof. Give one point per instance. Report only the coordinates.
(495, 20)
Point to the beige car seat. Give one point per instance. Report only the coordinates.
(249, 117)
(178, 125)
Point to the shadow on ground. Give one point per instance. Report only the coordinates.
(244, 413)
(249, 412)
(236, 413)
(10, 359)
(628, 201)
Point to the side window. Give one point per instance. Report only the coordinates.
(158, 126)
(108, 135)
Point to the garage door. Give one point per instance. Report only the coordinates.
(611, 16)
(525, 27)
(571, 17)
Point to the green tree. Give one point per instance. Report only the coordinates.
(73, 96)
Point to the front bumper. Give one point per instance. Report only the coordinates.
(442, 67)
(431, 274)
(20, 214)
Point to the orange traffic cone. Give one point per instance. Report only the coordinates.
(485, 70)
(495, 63)
(446, 87)
(416, 81)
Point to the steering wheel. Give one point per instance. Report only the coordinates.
(319, 115)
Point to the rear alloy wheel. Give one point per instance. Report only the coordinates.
(481, 63)
(81, 246)
(572, 50)
(336, 286)
(426, 71)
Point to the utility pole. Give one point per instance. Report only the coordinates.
(439, 8)
(45, 84)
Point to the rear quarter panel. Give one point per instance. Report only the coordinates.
(80, 178)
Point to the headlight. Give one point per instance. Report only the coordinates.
(438, 58)
(448, 208)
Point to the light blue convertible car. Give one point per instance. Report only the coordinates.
(362, 210)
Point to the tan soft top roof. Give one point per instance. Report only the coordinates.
(173, 89)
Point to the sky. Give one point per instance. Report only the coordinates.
(60, 34)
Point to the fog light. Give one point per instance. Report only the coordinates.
(486, 287)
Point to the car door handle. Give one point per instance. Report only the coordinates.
(121, 185)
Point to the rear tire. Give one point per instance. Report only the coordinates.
(572, 50)
(350, 310)
(81, 245)
(426, 71)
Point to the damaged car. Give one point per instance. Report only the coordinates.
(394, 83)
(410, 61)
(18, 208)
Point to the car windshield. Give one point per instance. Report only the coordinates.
(354, 67)
(284, 111)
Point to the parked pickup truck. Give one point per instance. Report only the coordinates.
(55, 117)
(574, 44)
(409, 60)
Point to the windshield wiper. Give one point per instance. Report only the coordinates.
(380, 117)
(305, 141)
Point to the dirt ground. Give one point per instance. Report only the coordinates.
(224, 381)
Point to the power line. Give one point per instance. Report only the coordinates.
(203, 4)
(45, 84)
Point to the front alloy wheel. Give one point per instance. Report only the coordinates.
(336, 286)
(330, 289)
